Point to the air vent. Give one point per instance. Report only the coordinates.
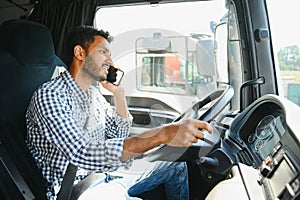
(244, 157)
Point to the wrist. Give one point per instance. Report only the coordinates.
(166, 134)
(118, 90)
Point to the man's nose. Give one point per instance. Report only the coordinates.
(108, 59)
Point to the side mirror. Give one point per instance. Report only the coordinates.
(205, 57)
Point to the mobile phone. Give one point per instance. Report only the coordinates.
(114, 75)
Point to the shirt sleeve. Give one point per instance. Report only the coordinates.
(60, 129)
(117, 126)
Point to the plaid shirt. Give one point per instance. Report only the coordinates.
(64, 125)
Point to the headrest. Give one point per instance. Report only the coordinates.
(29, 42)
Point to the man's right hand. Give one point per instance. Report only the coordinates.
(180, 134)
(187, 133)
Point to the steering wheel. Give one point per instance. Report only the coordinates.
(218, 99)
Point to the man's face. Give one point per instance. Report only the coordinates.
(98, 59)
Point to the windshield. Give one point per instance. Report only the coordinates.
(166, 50)
(286, 45)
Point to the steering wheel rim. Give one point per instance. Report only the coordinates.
(221, 98)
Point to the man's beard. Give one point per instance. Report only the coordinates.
(91, 68)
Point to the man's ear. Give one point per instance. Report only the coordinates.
(79, 52)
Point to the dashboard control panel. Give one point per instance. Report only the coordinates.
(280, 175)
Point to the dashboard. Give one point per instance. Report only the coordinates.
(266, 137)
(258, 152)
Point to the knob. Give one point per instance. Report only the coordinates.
(209, 162)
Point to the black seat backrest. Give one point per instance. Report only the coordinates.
(27, 59)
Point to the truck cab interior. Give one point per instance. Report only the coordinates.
(228, 74)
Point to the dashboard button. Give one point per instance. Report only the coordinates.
(265, 169)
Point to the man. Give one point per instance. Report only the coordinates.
(68, 121)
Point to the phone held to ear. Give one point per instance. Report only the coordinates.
(114, 75)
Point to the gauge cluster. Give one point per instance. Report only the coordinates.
(267, 134)
(258, 130)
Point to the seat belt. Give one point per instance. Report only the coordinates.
(67, 191)
(80, 187)
(67, 183)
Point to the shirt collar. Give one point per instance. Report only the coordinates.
(74, 87)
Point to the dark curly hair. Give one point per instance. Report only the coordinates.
(83, 36)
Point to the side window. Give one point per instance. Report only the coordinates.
(286, 45)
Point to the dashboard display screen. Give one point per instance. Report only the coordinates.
(267, 134)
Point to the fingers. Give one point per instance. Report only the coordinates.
(204, 125)
(188, 132)
(195, 140)
(109, 86)
(197, 132)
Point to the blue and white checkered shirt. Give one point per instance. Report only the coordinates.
(65, 124)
